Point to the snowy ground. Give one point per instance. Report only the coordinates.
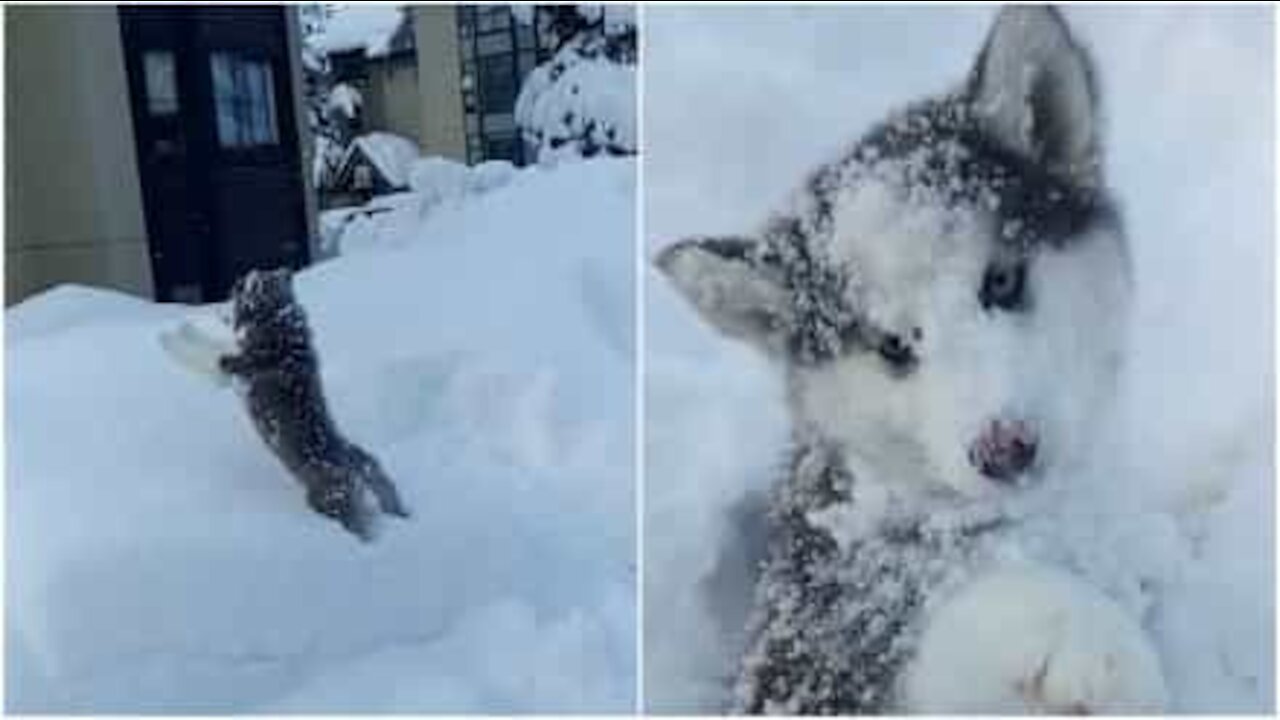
(159, 559)
(738, 104)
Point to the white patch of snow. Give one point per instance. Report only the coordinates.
(490, 175)
(439, 178)
(367, 26)
(572, 102)
(386, 220)
(66, 307)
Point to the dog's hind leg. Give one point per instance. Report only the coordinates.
(344, 503)
(387, 495)
(374, 478)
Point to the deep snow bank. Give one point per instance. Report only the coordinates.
(160, 559)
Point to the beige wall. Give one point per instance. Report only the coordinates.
(439, 81)
(73, 207)
(392, 103)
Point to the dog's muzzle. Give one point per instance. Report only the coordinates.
(1005, 450)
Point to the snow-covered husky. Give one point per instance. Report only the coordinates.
(948, 303)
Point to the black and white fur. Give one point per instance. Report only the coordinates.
(947, 301)
(280, 382)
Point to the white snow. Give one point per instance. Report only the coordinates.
(490, 175)
(438, 179)
(367, 26)
(384, 220)
(579, 98)
(160, 559)
(739, 105)
(389, 219)
(588, 90)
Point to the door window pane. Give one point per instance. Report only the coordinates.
(161, 81)
(244, 100)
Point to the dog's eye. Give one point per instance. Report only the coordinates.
(1004, 286)
(897, 353)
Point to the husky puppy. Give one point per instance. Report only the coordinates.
(947, 301)
(280, 382)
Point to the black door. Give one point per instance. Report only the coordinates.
(217, 145)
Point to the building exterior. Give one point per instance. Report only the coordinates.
(72, 197)
(376, 163)
(381, 64)
(439, 82)
(446, 77)
(156, 150)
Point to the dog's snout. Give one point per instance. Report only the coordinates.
(1005, 450)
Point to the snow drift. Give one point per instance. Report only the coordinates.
(159, 558)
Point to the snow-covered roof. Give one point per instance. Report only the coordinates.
(365, 26)
(391, 154)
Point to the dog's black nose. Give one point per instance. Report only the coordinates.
(1004, 450)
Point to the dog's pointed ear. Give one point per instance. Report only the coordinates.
(1033, 86)
(730, 282)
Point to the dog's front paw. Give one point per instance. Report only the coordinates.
(1033, 641)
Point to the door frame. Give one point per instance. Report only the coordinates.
(203, 156)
